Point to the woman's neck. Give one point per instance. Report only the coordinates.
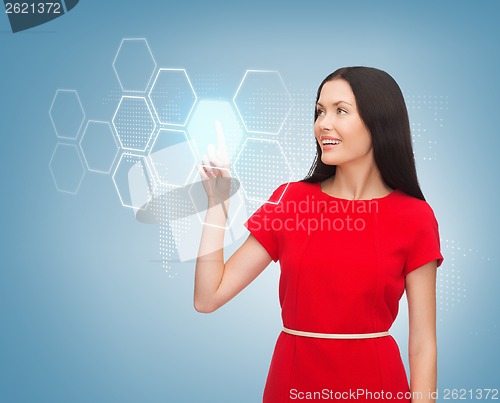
(356, 182)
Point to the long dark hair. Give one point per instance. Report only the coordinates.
(382, 108)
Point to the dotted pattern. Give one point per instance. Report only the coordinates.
(177, 207)
(263, 102)
(452, 293)
(297, 136)
(134, 123)
(451, 288)
(427, 116)
(264, 111)
(172, 97)
(112, 97)
(210, 85)
(170, 206)
(261, 167)
(167, 249)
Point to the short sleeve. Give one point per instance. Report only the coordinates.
(425, 245)
(264, 224)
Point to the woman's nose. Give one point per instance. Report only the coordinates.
(326, 123)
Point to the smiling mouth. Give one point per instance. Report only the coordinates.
(329, 142)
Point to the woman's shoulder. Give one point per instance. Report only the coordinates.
(292, 190)
(412, 206)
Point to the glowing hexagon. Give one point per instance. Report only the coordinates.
(99, 147)
(201, 126)
(263, 101)
(261, 167)
(133, 181)
(67, 168)
(172, 158)
(67, 114)
(172, 96)
(134, 123)
(134, 64)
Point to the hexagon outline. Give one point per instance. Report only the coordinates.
(52, 119)
(153, 169)
(192, 90)
(198, 213)
(52, 173)
(116, 130)
(286, 90)
(148, 168)
(152, 57)
(236, 172)
(83, 154)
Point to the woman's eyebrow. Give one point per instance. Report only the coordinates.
(335, 103)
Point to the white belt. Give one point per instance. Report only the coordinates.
(336, 335)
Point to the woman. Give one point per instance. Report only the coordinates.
(366, 236)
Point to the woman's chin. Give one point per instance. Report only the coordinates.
(327, 160)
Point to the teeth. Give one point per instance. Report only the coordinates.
(325, 142)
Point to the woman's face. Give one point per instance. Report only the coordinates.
(338, 120)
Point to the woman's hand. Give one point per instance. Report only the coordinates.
(214, 170)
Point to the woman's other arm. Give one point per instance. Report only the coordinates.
(422, 345)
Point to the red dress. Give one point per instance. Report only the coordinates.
(343, 267)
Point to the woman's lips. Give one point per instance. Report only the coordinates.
(329, 142)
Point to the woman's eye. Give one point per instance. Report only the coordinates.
(341, 111)
(320, 112)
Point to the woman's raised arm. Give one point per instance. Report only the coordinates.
(217, 282)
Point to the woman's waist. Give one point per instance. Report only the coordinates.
(323, 333)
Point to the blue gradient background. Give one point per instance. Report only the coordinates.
(87, 312)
